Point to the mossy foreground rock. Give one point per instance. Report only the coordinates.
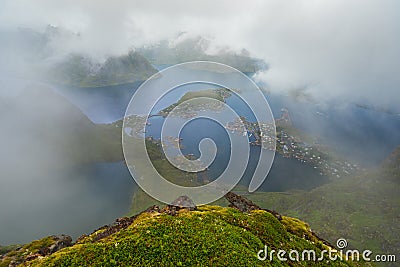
(35, 249)
(204, 236)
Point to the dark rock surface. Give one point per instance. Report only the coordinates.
(28, 253)
(184, 202)
(61, 241)
(240, 203)
(245, 205)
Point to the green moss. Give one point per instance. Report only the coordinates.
(36, 245)
(209, 236)
(6, 249)
(19, 254)
(5, 262)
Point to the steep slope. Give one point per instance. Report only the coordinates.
(364, 208)
(41, 122)
(174, 236)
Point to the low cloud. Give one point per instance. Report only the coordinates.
(345, 47)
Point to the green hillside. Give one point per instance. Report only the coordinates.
(173, 236)
(362, 208)
(190, 109)
(45, 120)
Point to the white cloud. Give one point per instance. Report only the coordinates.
(345, 47)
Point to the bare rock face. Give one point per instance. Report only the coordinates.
(184, 202)
(23, 254)
(245, 205)
(61, 241)
(181, 203)
(153, 208)
(118, 225)
(241, 203)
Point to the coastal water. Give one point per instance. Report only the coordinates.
(352, 131)
(88, 196)
(72, 200)
(101, 104)
(285, 174)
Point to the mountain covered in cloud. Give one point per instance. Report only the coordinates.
(51, 56)
(80, 71)
(56, 56)
(185, 48)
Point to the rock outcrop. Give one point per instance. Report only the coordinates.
(36, 249)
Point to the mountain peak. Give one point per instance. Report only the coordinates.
(206, 235)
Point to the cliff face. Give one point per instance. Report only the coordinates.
(206, 236)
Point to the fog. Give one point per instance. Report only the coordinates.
(48, 185)
(341, 47)
(334, 50)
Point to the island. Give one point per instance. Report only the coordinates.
(189, 110)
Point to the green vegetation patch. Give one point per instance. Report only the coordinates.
(209, 236)
(19, 253)
(219, 94)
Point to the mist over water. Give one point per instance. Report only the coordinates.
(72, 201)
(362, 135)
(43, 190)
(102, 104)
(54, 197)
(343, 53)
(365, 136)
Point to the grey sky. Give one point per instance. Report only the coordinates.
(339, 47)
